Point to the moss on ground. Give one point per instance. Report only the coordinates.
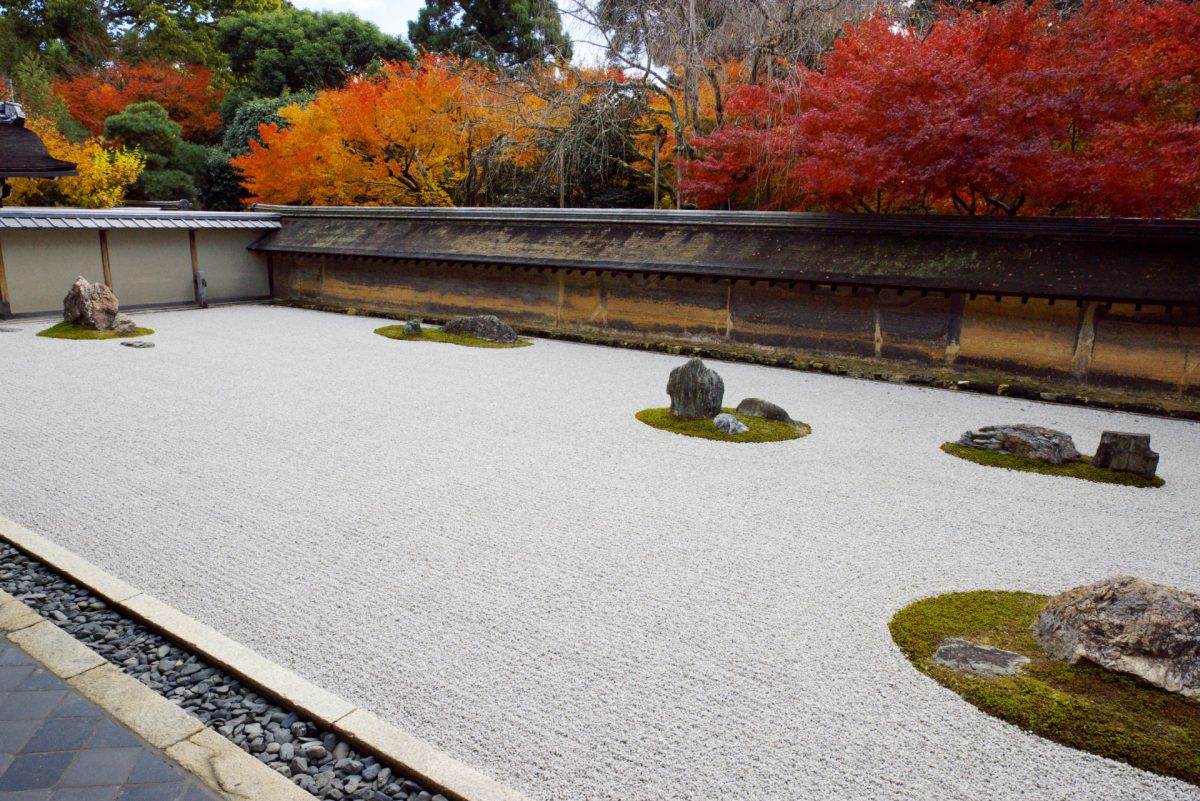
(65, 330)
(1081, 706)
(434, 335)
(1081, 468)
(761, 429)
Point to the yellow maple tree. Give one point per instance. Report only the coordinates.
(105, 174)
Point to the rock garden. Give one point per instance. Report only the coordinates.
(91, 311)
(1112, 667)
(478, 331)
(696, 394)
(1121, 458)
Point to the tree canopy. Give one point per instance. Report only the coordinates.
(504, 33)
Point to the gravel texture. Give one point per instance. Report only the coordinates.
(487, 549)
(314, 759)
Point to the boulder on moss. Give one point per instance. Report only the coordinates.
(1022, 439)
(1130, 625)
(695, 390)
(94, 306)
(1128, 452)
(757, 407)
(482, 326)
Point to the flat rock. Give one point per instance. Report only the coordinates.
(483, 326)
(757, 407)
(1128, 452)
(138, 344)
(729, 424)
(981, 660)
(1033, 442)
(695, 390)
(4, 329)
(1129, 625)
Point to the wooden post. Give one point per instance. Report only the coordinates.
(5, 309)
(104, 259)
(198, 282)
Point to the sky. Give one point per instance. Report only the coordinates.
(393, 16)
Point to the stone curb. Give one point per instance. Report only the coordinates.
(439, 771)
(222, 766)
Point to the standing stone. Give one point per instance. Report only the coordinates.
(90, 305)
(982, 660)
(757, 407)
(729, 424)
(1128, 452)
(1033, 442)
(483, 326)
(1130, 625)
(695, 390)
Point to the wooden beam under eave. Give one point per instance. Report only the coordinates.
(104, 259)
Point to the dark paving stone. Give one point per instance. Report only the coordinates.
(76, 706)
(86, 794)
(112, 735)
(15, 733)
(30, 705)
(152, 792)
(35, 771)
(102, 766)
(61, 734)
(42, 680)
(11, 676)
(152, 769)
(28, 795)
(12, 655)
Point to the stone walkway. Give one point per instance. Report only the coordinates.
(55, 745)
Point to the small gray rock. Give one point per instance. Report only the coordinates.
(138, 343)
(982, 660)
(4, 329)
(413, 328)
(757, 407)
(730, 424)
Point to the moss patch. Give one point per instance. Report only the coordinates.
(1081, 468)
(1085, 707)
(65, 330)
(434, 335)
(761, 429)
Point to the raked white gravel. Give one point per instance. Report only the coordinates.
(486, 548)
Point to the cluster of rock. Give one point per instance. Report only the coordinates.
(316, 760)
(481, 326)
(1129, 625)
(1118, 450)
(1125, 624)
(95, 306)
(697, 392)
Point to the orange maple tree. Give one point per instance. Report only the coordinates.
(404, 135)
(186, 92)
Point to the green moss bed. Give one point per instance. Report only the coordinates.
(434, 335)
(1081, 468)
(65, 330)
(761, 429)
(1081, 706)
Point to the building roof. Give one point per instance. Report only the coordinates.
(22, 154)
(110, 219)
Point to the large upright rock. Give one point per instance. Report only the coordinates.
(695, 390)
(1130, 625)
(483, 326)
(90, 305)
(1128, 452)
(1034, 442)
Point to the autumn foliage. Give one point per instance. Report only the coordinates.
(105, 173)
(1013, 110)
(185, 92)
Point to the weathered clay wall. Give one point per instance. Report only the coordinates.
(1152, 347)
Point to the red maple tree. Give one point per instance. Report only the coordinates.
(185, 92)
(1015, 109)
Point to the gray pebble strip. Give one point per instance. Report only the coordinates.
(314, 759)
